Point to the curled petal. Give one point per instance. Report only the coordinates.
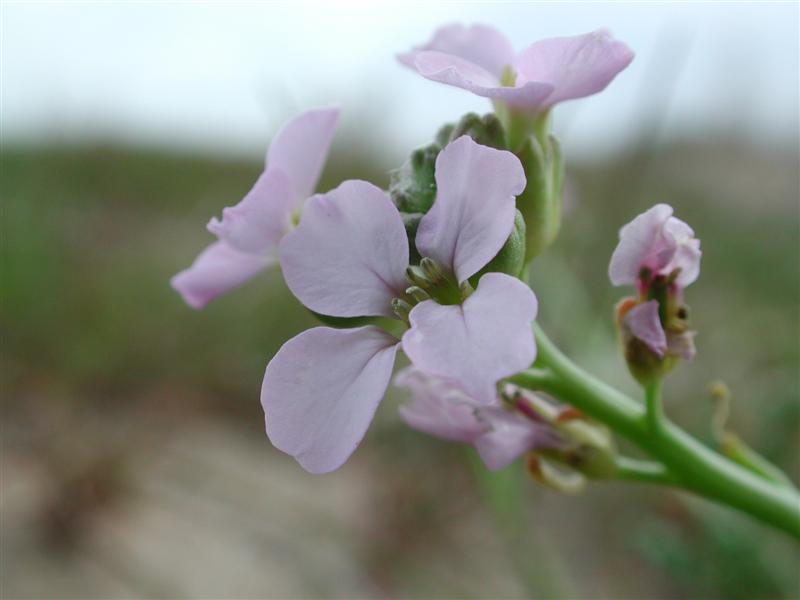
(321, 391)
(576, 66)
(479, 44)
(687, 252)
(439, 408)
(641, 243)
(217, 270)
(261, 219)
(644, 324)
(348, 256)
(473, 214)
(300, 148)
(455, 71)
(510, 437)
(479, 342)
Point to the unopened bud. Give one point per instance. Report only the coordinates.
(540, 202)
(486, 130)
(558, 477)
(412, 187)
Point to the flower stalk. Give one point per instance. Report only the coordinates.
(693, 466)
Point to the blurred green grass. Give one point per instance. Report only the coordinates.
(92, 235)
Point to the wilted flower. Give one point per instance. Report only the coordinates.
(499, 433)
(480, 59)
(248, 233)
(658, 254)
(349, 257)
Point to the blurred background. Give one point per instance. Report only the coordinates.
(134, 462)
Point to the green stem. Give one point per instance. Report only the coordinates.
(694, 466)
(632, 469)
(654, 408)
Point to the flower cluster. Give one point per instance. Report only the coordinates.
(435, 267)
(349, 257)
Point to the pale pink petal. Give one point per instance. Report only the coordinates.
(438, 407)
(511, 435)
(644, 324)
(473, 214)
(261, 219)
(687, 252)
(217, 270)
(300, 148)
(321, 391)
(455, 71)
(479, 342)
(478, 44)
(641, 243)
(348, 256)
(575, 66)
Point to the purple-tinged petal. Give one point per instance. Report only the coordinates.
(321, 391)
(641, 243)
(453, 70)
(217, 270)
(687, 252)
(478, 44)
(348, 256)
(511, 435)
(473, 214)
(644, 324)
(575, 66)
(300, 148)
(479, 342)
(261, 219)
(438, 407)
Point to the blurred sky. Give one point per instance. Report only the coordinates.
(223, 75)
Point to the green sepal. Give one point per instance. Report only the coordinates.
(411, 223)
(540, 202)
(388, 324)
(343, 322)
(511, 258)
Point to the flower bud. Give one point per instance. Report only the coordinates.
(585, 446)
(557, 477)
(486, 130)
(412, 187)
(540, 202)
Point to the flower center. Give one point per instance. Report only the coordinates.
(429, 281)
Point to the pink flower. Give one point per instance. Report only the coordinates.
(480, 59)
(348, 258)
(248, 233)
(441, 409)
(659, 254)
(658, 242)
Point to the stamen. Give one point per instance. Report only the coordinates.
(401, 308)
(431, 269)
(417, 278)
(418, 294)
